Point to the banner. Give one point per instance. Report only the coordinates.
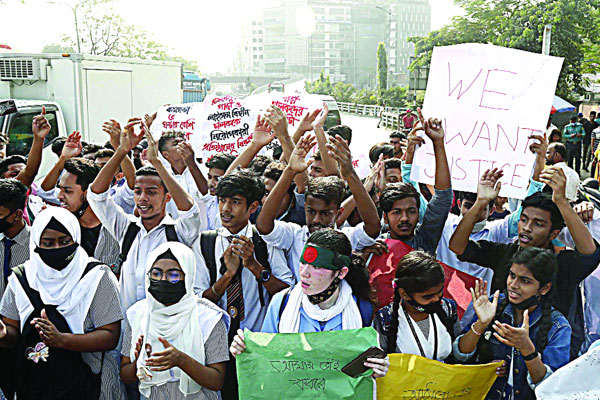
(304, 365)
(382, 270)
(180, 117)
(490, 100)
(577, 380)
(415, 377)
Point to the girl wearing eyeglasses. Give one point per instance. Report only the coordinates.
(175, 343)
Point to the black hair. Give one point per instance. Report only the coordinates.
(573, 118)
(344, 131)
(241, 182)
(591, 183)
(555, 132)
(380, 148)
(358, 275)
(13, 194)
(330, 189)
(472, 197)
(544, 202)
(260, 163)
(397, 191)
(90, 148)
(417, 272)
(220, 161)
(85, 170)
(317, 156)
(108, 145)
(391, 163)
(560, 149)
(58, 144)
(104, 153)
(168, 135)
(543, 265)
(11, 160)
(274, 171)
(397, 134)
(149, 170)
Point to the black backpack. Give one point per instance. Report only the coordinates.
(130, 234)
(64, 375)
(207, 246)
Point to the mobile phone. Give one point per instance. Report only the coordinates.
(7, 107)
(357, 366)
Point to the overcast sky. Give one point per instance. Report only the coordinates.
(206, 31)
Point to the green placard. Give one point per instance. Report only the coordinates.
(304, 365)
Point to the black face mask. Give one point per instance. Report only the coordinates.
(325, 294)
(430, 308)
(166, 292)
(4, 224)
(57, 258)
(527, 303)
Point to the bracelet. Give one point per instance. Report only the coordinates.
(531, 356)
(474, 331)
(214, 291)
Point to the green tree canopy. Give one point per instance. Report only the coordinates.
(382, 68)
(520, 24)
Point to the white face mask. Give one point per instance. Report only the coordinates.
(479, 226)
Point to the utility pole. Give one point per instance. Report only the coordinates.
(74, 10)
(546, 40)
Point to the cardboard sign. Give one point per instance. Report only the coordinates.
(490, 100)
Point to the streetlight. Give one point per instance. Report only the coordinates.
(389, 28)
(74, 9)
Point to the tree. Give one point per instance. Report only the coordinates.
(57, 48)
(382, 69)
(520, 24)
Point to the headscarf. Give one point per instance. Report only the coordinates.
(177, 323)
(66, 289)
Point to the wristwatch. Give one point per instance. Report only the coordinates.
(265, 275)
(531, 356)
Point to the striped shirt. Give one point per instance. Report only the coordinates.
(19, 253)
(105, 309)
(216, 350)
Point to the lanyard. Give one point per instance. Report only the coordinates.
(412, 329)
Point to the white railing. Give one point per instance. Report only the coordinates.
(390, 114)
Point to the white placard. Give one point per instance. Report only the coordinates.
(490, 100)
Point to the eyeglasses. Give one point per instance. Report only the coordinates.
(173, 275)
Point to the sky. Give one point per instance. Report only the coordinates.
(204, 30)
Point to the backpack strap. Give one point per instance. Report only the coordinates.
(207, 246)
(171, 233)
(33, 295)
(286, 296)
(262, 256)
(130, 234)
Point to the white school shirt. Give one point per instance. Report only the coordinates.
(253, 312)
(291, 238)
(494, 231)
(187, 182)
(211, 205)
(116, 221)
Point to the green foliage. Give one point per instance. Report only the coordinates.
(58, 48)
(382, 69)
(395, 96)
(520, 24)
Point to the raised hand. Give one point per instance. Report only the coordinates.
(434, 130)
(539, 147)
(263, 133)
(237, 345)
(485, 310)
(113, 129)
(149, 119)
(186, 152)
(152, 153)
(556, 179)
(72, 147)
(297, 162)
(489, 185)
(307, 121)
(339, 150)
(277, 120)
(40, 127)
(585, 211)
(515, 337)
(165, 360)
(320, 119)
(129, 139)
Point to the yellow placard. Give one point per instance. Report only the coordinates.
(416, 377)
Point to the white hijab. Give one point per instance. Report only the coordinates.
(177, 323)
(344, 304)
(66, 289)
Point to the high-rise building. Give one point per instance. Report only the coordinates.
(252, 49)
(338, 37)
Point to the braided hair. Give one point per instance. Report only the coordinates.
(543, 266)
(417, 272)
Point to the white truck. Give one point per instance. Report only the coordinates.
(80, 92)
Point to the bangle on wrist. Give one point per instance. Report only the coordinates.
(531, 356)
(474, 330)
(214, 291)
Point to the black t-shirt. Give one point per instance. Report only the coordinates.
(89, 239)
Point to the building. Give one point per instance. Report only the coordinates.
(339, 37)
(251, 54)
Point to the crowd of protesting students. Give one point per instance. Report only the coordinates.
(128, 273)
